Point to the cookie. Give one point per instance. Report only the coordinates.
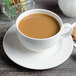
(13, 2)
(74, 34)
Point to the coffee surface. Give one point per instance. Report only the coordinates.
(39, 26)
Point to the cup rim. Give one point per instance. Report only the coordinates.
(43, 13)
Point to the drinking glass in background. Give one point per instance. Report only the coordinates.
(13, 8)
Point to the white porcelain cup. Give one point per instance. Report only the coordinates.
(40, 45)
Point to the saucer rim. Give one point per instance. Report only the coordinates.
(29, 67)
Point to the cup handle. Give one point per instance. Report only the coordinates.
(67, 30)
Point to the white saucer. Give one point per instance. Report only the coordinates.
(39, 61)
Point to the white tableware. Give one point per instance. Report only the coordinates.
(68, 7)
(40, 45)
(33, 60)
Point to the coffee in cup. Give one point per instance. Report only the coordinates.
(39, 26)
